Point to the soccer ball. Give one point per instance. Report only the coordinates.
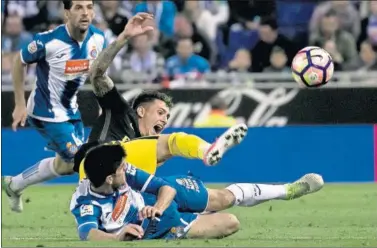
(312, 67)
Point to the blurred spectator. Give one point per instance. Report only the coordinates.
(14, 36)
(248, 12)
(366, 61)
(349, 19)
(23, 8)
(114, 15)
(278, 60)
(217, 117)
(164, 13)
(339, 43)
(184, 29)
(204, 19)
(241, 61)
(6, 68)
(369, 24)
(269, 38)
(143, 59)
(186, 62)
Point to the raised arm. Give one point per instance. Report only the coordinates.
(137, 25)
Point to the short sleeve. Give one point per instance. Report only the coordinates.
(34, 51)
(87, 218)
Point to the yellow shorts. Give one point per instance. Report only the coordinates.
(141, 153)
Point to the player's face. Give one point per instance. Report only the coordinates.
(156, 117)
(80, 15)
(119, 178)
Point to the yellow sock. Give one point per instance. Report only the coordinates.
(187, 145)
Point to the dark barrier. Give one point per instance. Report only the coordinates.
(258, 107)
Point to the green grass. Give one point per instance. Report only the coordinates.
(339, 215)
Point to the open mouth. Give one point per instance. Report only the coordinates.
(84, 21)
(158, 128)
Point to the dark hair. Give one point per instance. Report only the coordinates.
(81, 153)
(269, 21)
(103, 161)
(330, 13)
(217, 102)
(68, 4)
(150, 96)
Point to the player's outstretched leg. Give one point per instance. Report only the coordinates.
(193, 147)
(215, 225)
(248, 194)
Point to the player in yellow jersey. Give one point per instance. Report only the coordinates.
(144, 120)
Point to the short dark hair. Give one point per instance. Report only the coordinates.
(150, 96)
(68, 4)
(103, 161)
(269, 21)
(81, 153)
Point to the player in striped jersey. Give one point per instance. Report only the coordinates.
(106, 208)
(63, 58)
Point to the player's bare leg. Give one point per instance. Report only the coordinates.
(42, 171)
(248, 195)
(192, 147)
(216, 225)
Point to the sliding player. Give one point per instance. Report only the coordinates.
(108, 173)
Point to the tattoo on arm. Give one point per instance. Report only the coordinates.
(102, 83)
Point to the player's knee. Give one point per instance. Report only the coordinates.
(164, 144)
(63, 167)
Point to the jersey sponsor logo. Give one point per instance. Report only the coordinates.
(76, 68)
(32, 47)
(120, 210)
(86, 210)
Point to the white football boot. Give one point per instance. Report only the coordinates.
(14, 198)
(307, 184)
(230, 138)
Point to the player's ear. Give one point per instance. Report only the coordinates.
(109, 180)
(140, 111)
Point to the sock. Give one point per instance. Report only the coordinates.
(187, 145)
(40, 172)
(248, 194)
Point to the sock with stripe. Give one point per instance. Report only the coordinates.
(40, 172)
(187, 145)
(248, 194)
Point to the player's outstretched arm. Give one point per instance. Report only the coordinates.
(128, 232)
(137, 25)
(18, 75)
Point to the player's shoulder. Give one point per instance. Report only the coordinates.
(49, 35)
(96, 30)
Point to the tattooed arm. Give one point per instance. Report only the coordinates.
(102, 83)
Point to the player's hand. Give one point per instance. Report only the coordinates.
(130, 232)
(19, 116)
(141, 23)
(149, 212)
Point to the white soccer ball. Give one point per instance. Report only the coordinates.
(312, 67)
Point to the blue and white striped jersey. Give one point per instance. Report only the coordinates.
(62, 67)
(108, 213)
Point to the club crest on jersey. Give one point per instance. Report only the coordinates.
(32, 47)
(86, 210)
(71, 148)
(93, 53)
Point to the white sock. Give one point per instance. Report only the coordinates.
(40, 172)
(248, 194)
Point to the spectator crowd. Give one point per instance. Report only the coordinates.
(196, 37)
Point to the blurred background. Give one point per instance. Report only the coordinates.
(239, 71)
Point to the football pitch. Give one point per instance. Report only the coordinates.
(342, 215)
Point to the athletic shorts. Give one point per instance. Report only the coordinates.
(141, 153)
(172, 224)
(64, 138)
(192, 195)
